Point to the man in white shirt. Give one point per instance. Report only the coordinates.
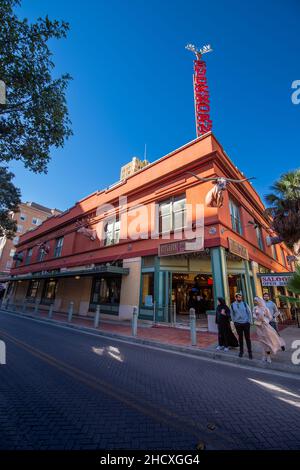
(273, 310)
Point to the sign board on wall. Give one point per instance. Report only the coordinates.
(237, 249)
(274, 280)
(180, 247)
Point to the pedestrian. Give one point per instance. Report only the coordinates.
(241, 316)
(269, 339)
(273, 309)
(225, 336)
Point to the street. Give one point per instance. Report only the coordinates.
(64, 389)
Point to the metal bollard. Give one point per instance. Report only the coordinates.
(134, 321)
(97, 317)
(193, 327)
(70, 312)
(36, 307)
(50, 312)
(24, 307)
(174, 314)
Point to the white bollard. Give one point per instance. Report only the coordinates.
(36, 307)
(193, 327)
(50, 312)
(70, 312)
(97, 317)
(174, 315)
(134, 321)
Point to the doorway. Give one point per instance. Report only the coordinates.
(192, 290)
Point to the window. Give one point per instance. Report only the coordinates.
(19, 228)
(112, 232)
(274, 252)
(147, 289)
(18, 257)
(106, 290)
(283, 256)
(235, 217)
(8, 264)
(41, 254)
(23, 217)
(28, 256)
(259, 237)
(49, 291)
(16, 240)
(33, 289)
(172, 214)
(58, 247)
(12, 252)
(36, 221)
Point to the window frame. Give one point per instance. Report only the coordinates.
(115, 232)
(235, 216)
(31, 288)
(59, 242)
(259, 237)
(171, 201)
(49, 300)
(28, 255)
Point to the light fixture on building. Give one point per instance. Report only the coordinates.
(212, 231)
(77, 277)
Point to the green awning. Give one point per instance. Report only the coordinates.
(103, 270)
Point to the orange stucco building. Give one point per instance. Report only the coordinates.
(90, 260)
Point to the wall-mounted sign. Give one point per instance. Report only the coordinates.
(237, 249)
(276, 280)
(180, 247)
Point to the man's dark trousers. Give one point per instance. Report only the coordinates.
(243, 329)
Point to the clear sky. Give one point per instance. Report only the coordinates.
(132, 84)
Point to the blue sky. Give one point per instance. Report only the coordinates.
(132, 84)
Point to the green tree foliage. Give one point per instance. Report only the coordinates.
(9, 201)
(284, 208)
(35, 116)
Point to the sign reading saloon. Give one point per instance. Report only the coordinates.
(274, 280)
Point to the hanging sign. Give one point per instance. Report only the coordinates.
(237, 249)
(274, 280)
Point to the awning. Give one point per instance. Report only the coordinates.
(105, 270)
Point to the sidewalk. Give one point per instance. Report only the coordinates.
(178, 339)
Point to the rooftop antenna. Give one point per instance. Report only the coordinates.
(145, 152)
(201, 93)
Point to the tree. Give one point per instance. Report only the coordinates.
(9, 202)
(284, 209)
(35, 116)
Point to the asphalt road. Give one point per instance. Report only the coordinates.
(63, 389)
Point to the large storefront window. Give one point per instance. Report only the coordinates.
(49, 292)
(33, 289)
(148, 289)
(106, 290)
(191, 290)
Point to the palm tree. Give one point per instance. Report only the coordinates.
(284, 208)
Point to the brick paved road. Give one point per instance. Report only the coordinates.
(63, 389)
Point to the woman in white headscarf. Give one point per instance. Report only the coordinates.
(266, 335)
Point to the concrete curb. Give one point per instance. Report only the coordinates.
(191, 350)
